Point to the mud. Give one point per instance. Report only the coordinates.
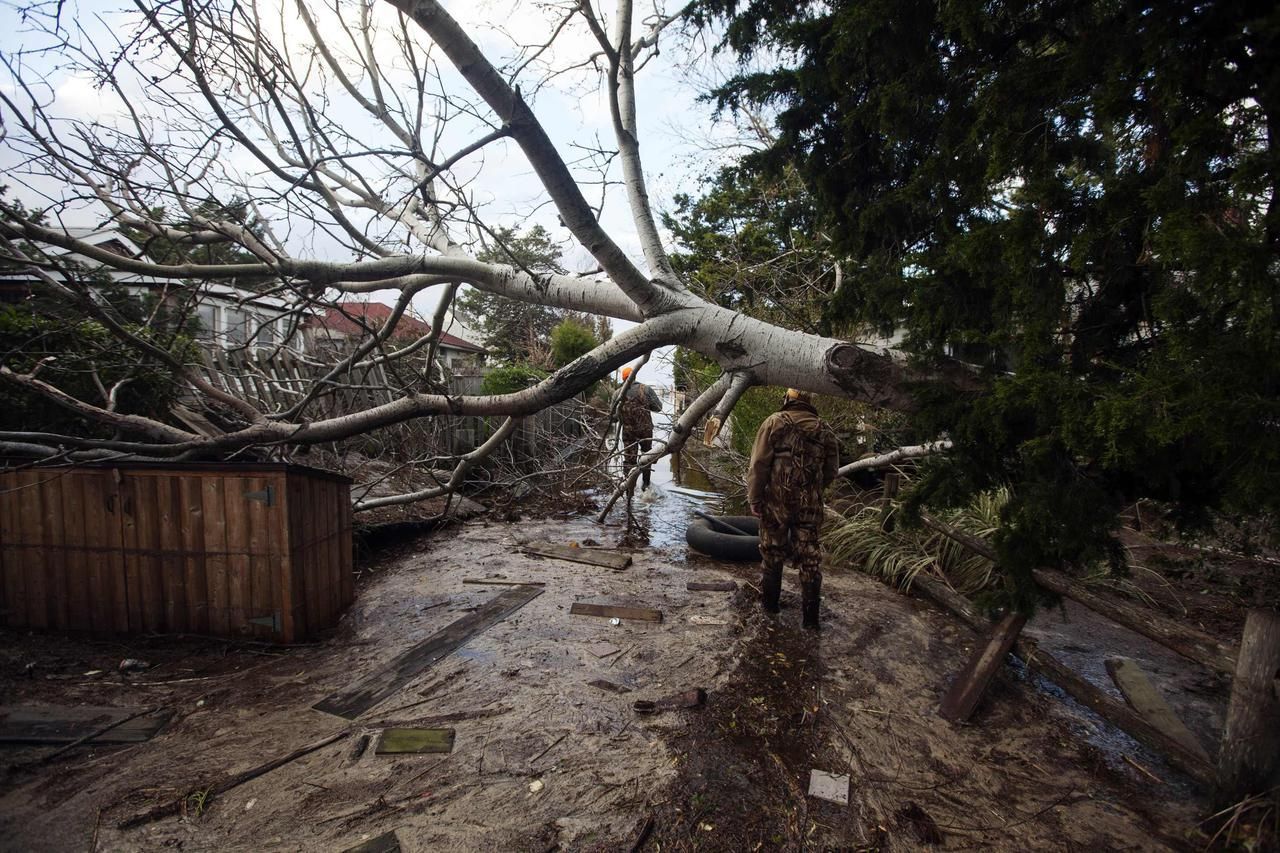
(859, 699)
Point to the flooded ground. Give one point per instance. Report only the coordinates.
(544, 760)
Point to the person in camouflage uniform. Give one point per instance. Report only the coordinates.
(637, 424)
(794, 458)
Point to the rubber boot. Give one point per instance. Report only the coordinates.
(770, 588)
(812, 599)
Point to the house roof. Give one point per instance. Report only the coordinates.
(346, 319)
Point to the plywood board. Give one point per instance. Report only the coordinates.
(829, 787)
(590, 556)
(386, 682)
(414, 741)
(56, 724)
(711, 586)
(611, 611)
(1148, 702)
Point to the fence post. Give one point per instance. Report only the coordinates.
(1249, 758)
(891, 485)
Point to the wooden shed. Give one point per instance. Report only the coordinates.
(254, 550)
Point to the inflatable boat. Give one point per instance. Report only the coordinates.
(711, 535)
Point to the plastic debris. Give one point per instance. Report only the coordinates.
(133, 665)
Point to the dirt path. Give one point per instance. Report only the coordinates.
(543, 760)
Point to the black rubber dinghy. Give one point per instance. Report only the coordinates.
(716, 541)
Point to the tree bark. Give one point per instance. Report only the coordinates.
(1249, 758)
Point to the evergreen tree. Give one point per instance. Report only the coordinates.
(1079, 196)
(511, 330)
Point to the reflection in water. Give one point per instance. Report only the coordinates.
(660, 515)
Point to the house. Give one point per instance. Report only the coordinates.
(341, 325)
(227, 315)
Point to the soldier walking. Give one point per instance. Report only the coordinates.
(637, 424)
(795, 457)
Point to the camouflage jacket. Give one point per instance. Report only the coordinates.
(795, 457)
(637, 423)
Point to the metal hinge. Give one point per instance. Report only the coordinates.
(266, 496)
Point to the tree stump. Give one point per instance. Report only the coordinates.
(1249, 759)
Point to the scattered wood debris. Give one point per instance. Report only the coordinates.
(966, 691)
(1144, 698)
(590, 556)
(611, 611)
(711, 586)
(609, 686)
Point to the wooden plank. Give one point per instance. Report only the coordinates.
(414, 741)
(298, 552)
(387, 681)
(141, 527)
(59, 724)
(1147, 701)
(100, 512)
(13, 604)
(77, 559)
(283, 542)
(55, 551)
(1249, 759)
(612, 611)
(192, 526)
(34, 567)
(590, 556)
(213, 496)
(962, 699)
(711, 586)
(495, 582)
(310, 559)
(346, 551)
(170, 564)
(259, 519)
(239, 591)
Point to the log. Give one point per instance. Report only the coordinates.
(1045, 664)
(891, 484)
(1142, 695)
(1188, 642)
(1249, 759)
(612, 611)
(969, 686)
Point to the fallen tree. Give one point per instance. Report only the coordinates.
(236, 111)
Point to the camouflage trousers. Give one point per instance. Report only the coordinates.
(801, 543)
(630, 455)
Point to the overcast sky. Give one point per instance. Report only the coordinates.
(674, 128)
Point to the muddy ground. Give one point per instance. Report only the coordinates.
(545, 761)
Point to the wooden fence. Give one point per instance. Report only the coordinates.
(276, 381)
(237, 550)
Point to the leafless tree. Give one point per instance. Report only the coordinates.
(356, 131)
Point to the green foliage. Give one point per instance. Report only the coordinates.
(754, 406)
(80, 350)
(510, 378)
(1078, 197)
(751, 242)
(570, 339)
(163, 250)
(897, 557)
(514, 331)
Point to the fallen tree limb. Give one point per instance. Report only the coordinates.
(174, 807)
(1042, 662)
(886, 459)
(1192, 644)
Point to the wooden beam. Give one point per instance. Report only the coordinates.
(1188, 642)
(1045, 664)
(711, 586)
(382, 684)
(1249, 759)
(1147, 701)
(590, 556)
(610, 611)
(966, 691)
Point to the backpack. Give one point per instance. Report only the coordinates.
(800, 451)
